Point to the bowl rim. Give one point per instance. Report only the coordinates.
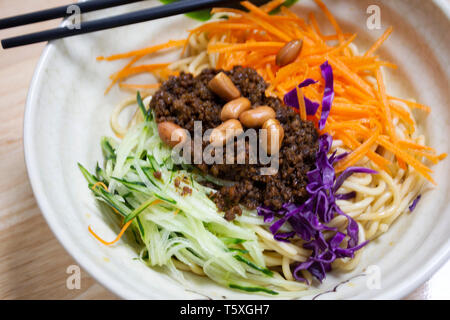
(400, 290)
(42, 201)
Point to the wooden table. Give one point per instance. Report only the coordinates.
(32, 262)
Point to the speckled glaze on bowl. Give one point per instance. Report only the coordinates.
(67, 114)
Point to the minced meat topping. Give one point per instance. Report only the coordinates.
(185, 99)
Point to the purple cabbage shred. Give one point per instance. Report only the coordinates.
(414, 203)
(291, 99)
(308, 221)
(328, 94)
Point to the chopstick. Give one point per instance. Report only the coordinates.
(115, 21)
(60, 12)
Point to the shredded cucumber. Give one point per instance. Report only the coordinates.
(187, 227)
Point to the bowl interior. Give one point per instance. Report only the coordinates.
(67, 114)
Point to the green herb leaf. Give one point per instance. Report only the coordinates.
(141, 106)
(252, 289)
(201, 15)
(254, 266)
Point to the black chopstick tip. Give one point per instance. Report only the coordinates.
(4, 45)
(11, 43)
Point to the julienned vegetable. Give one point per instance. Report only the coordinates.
(175, 228)
(309, 220)
(291, 99)
(328, 94)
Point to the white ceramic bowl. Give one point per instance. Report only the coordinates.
(67, 113)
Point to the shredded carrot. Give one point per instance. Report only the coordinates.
(329, 16)
(271, 5)
(122, 231)
(379, 42)
(352, 143)
(128, 65)
(351, 76)
(380, 161)
(432, 157)
(301, 103)
(411, 104)
(356, 94)
(95, 185)
(414, 145)
(404, 115)
(269, 28)
(421, 168)
(139, 86)
(220, 27)
(358, 153)
(145, 51)
(128, 71)
(343, 45)
(249, 46)
(387, 113)
(314, 24)
(124, 228)
(387, 118)
(252, 8)
(138, 69)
